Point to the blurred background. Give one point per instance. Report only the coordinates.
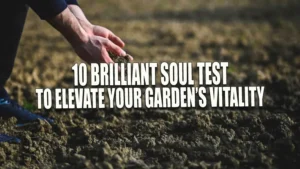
(244, 32)
(259, 38)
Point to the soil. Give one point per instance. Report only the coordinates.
(259, 39)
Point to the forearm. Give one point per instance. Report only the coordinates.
(68, 25)
(94, 29)
(78, 13)
(91, 43)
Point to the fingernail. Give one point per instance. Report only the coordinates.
(123, 53)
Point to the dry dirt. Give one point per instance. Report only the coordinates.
(260, 40)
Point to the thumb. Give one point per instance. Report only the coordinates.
(115, 49)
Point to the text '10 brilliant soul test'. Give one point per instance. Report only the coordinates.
(152, 85)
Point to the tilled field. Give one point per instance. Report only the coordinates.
(259, 39)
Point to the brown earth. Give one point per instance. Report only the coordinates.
(260, 40)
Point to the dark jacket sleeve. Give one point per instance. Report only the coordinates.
(74, 2)
(47, 9)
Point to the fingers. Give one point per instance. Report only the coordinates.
(105, 33)
(117, 50)
(105, 56)
(110, 46)
(115, 39)
(130, 57)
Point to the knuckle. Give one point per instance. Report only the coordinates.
(105, 42)
(99, 42)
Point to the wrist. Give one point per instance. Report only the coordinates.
(83, 21)
(80, 37)
(77, 35)
(86, 25)
(70, 27)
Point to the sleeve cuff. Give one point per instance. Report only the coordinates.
(47, 9)
(72, 2)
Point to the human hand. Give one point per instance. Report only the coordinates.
(104, 32)
(95, 50)
(100, 41)
(91, 43)
(95, 33)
